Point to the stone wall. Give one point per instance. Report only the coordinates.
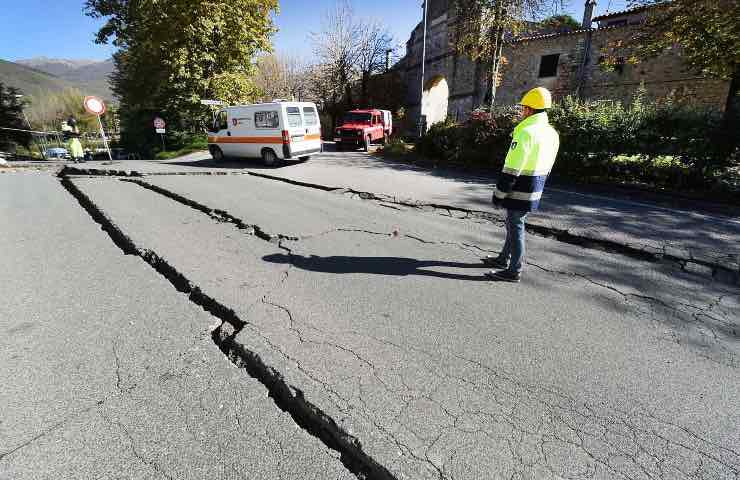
(664, 77)
(465, 79)
(667, 76)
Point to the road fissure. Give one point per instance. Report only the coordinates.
(287, 397)
(713, 326)
(707, 268)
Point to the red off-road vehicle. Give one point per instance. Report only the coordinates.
(360, 128)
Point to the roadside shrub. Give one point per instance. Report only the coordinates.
(395, 147)
(661, 144)
(481, 140)
(182, 143)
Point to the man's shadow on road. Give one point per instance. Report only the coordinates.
(394, 266)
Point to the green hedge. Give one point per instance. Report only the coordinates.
(662, 145)
(182, 143)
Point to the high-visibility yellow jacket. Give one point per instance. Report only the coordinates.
(75, 148)
(531, 156)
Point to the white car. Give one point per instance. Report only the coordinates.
(271, 131)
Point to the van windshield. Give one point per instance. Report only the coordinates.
(356, 117)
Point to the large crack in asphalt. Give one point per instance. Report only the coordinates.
(716, 327)
(288, 398)
(711, 269)
(717, 271)
(664, 256)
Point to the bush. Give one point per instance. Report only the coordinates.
(660, 144)
(179, 143)
(395, 147)
(482, 140)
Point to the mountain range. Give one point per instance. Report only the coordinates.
(39, 75)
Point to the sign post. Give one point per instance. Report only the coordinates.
(159, 126)
(96, 106)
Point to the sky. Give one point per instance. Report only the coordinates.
(59, 29)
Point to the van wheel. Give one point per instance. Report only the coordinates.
(366, 144)
(269, 158)
(216, 153)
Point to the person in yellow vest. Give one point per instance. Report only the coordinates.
(528, 163)
(74, 147)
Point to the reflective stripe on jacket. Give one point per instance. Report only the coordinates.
(531, 156)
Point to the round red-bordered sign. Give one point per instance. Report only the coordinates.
(159, 123)
(94, 105)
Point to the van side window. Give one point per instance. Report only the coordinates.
(221, 122)
(310, 117)
(266, 120)
(294, 117)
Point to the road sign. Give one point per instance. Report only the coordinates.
(94, 105)
(159, 124)
(211, 102)
(161, 130)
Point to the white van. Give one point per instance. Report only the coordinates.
(272, 131)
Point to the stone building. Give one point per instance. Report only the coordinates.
(568, 63)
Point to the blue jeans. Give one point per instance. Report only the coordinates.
(514, 248)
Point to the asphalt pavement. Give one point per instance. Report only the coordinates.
(190, 320)
(700, 235)
(597, 365)
(108, 372)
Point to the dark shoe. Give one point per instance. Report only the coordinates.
(504, 276)
(494, 262)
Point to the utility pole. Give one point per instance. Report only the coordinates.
(422, 120)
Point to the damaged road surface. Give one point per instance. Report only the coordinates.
(107, 371)
(391, 356)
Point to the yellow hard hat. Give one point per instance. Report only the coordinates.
(538, 98)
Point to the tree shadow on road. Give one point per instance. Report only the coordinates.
(392, 266)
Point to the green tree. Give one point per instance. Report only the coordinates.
(49, 109)
(11, 116)
(173, 54)
(708, 33)
(558, 23)
(483, 26)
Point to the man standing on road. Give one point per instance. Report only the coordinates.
(75, 148)
(519, 189)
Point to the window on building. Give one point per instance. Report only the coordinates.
(617, 23)
(616, 65)
(266, 120)
(619, 65)
(549, 65)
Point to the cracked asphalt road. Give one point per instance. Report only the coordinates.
(389, 354)
(659, 224)
(108, 372)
